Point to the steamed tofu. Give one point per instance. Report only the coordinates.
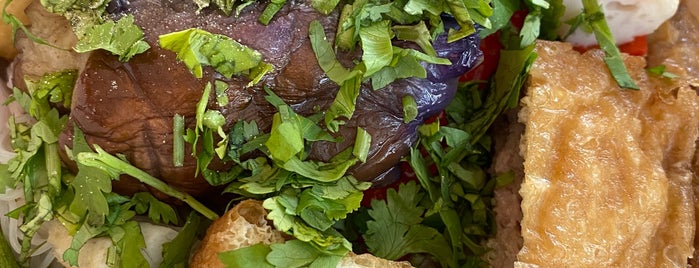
(607, 170)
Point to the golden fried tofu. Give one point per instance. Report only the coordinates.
(607, 170)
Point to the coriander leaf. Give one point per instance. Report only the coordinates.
(218, 178)
(341, 188)
(89, 185)
(502, 12)
(551, 19)
(344, 103)
(511, 74)
(419, 165)
(319, 171)
(324, 6)
(12, 20)
(158, 211)
(270, 10)
(660, 71)
(290, 130)
(395, 229)
(326, 55)
(251, 256)
(202, 4)
(376, 46)
(62, 6)
(594, 17)
(122, 38)
(362, 144)
(225, 5)
(282, 220)
(531, 27)
(196, 47)
(326, 260)
(463, 17)
(292, 253)
(418, 7)
(417, 33)
(129, 244)
(115, 167)
(263, 178)
(329, 240)
(220, 88)
(58, 86)
(176, 252)
(85, 233)
(410, 111)
(406, 65)
(206, 154)
(285, 139)
(321, 213)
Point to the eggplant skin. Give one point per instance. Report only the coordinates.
(128, 108)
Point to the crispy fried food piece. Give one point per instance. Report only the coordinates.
(246, 225)
(607, 171)
(675, 45)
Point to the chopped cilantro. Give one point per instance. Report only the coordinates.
(115, 167)
(270, 10)
(129, 243)
(178, 140)
(376, 46)
(295, 253)
(196, 47)
(176, 252)
(122, 38)
(409, 108)
(158, 211)
(250, 256)
(88, 185)
(594, 17)
(395, 229)
(660, 71)
(16, 24)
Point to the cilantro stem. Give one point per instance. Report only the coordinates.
(178, 140)
(42, 212)
(595, 18)
(115, 167)
(53, 168)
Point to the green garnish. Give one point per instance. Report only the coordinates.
(176, 252)
(116, 167)
(660, 71)
(16, 24)
(409, 108)
(196, 48)
(594, 17)
(272, 8)
(121, 38)
(178, 140)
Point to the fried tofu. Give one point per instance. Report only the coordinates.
(608, 178)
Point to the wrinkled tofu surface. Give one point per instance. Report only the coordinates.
(608, 170)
